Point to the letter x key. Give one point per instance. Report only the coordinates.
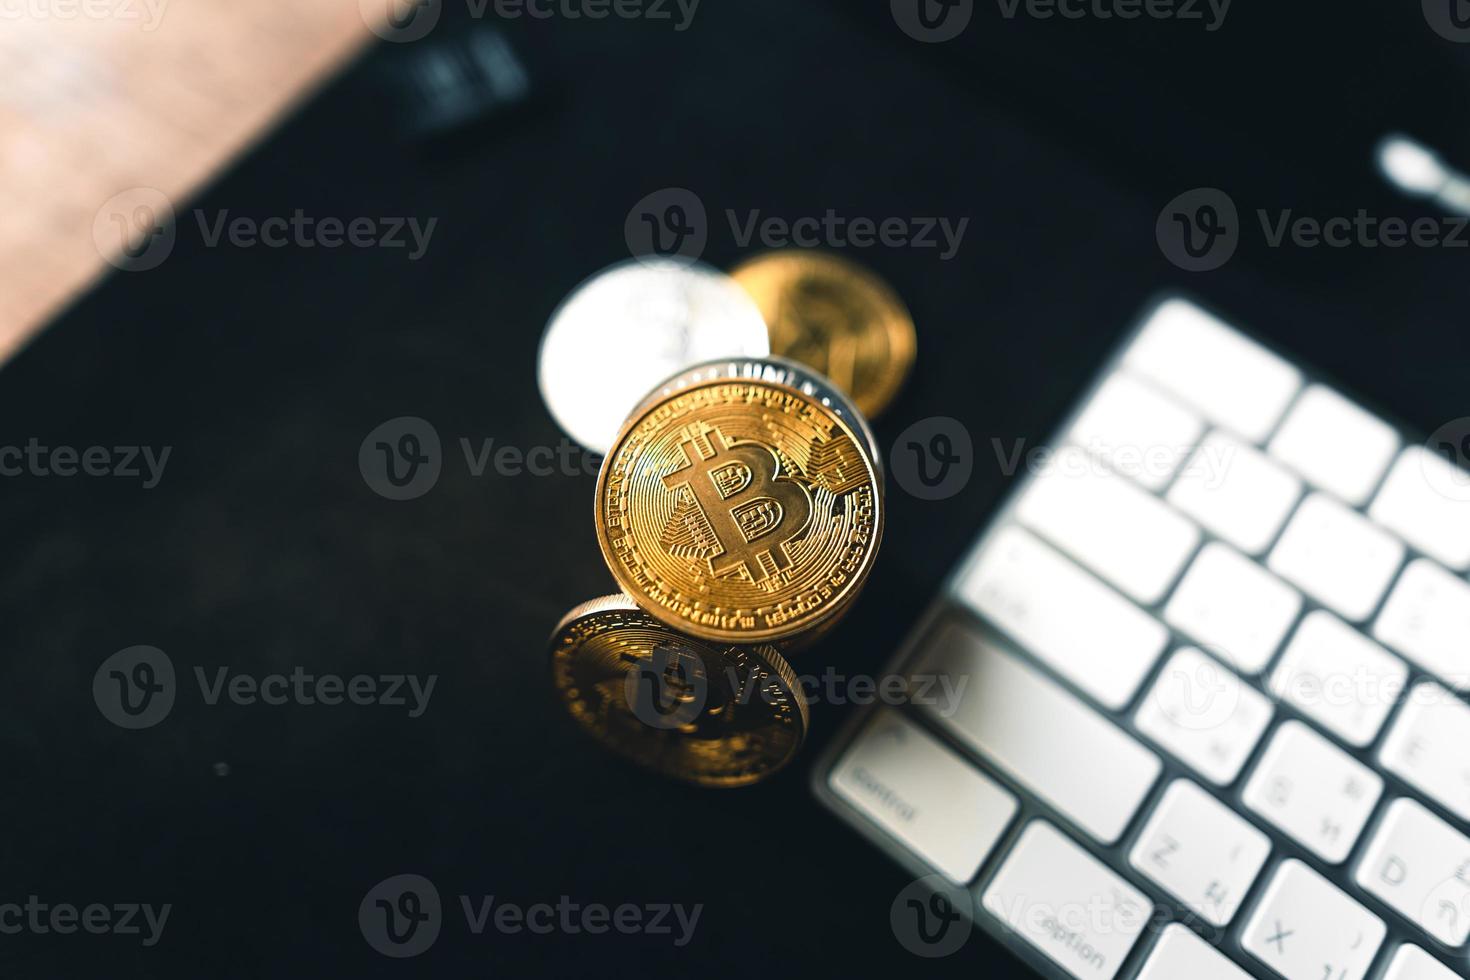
(1280, 938)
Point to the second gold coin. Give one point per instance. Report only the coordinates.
(834, 315)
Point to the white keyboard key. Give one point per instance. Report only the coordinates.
(1198, 850)
(1426, 499)
(1419, 866)
(909, 783)
(1305, 928)
(1180, 953)
(1337, 557)
(1412, 963)
(1339, 678)
(1237, 492)
(1427, 619)
(1427, 747)
(1081, 628)
(1136, 430)
(1208, 364)
(1335, 444)
(1125, 534)
(1314, 791)
(1067, 904)
(1043, 737)
(1205, 715)
(1234, 607)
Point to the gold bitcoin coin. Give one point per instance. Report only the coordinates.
(741, 511)
(836, 316)
(707, 713)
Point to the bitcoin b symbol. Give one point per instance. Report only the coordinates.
(752, 511)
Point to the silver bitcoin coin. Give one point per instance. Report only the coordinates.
(782, 371)
(628, 327)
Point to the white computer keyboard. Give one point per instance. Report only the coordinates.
(1213, 657)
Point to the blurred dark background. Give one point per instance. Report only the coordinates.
(262, 549)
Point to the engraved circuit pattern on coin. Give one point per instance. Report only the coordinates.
(742, 511)
(836, 316)
(710, 714)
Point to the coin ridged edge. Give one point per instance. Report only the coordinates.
(617, 602)
(847, 408)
